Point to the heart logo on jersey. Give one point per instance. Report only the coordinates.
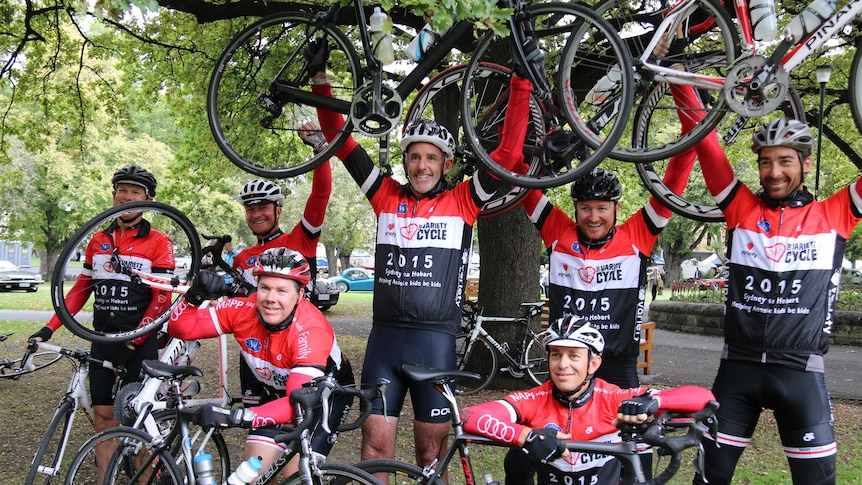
(409, 231)
(566, 268)
(587, 274)
(750, 245)
(264, 373)
(391, 226)
(775, 252)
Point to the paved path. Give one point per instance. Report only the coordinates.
(678, 358)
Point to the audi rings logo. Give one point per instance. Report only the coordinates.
(494, 428)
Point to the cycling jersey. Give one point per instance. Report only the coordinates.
(119, 303)
(605, 285)
(304, 236)
(587, 418)
(422, 248)
(282, 361)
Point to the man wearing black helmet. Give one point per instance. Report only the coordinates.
(132, 239)
(573, 405)
(263, 201)
(784, 262)
(424, 231)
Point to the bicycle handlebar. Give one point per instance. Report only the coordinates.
(216, 250)
(81, 356)
(315, 397)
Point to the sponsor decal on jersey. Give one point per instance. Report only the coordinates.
(576, 247)
(251, 261)
(402, 208)
(764, 225)
(104, 246)
(427, 231)
(253, 344)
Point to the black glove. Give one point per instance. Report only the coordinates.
(212, 416)
(643, 404)
(44, 333)
(314, 139)
(542, 445)
(206, 285)
(316, 53)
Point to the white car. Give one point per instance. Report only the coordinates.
(13, 278)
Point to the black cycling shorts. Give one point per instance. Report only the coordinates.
(390, 347)
(102, 379)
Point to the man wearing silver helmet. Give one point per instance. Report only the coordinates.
(784, 257)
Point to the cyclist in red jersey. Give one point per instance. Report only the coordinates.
(263, 201)
(131, 239)
(574, 405)
(282, 335)
(784, 262)
(424, 232)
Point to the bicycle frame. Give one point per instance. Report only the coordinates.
(518, 360)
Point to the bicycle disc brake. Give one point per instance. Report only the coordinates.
(752, 91)
(373, 116)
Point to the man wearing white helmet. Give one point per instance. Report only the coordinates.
(784, 257)
(424, 232)
(263, 201)
(574, 405)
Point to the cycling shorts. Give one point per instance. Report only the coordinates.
(390, 347)
(102, 379)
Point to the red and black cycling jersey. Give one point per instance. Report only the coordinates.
(423, 244)
(304, 236)
(588, 418)
(784, 267)
(282, 360)
(119, 303)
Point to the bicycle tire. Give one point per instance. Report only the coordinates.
(398, 472)
(709, 43)
(256, 100)
(49, 452)
(431, 103)
(855, 86)
(536, 359)
(162, 217)
(38, 360)
(695, 202)
(335, 473)
(480, 358)
(130, 442)
(580, 147)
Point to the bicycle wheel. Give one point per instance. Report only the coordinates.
(695, 202)
(579, 48)
(855, 87)
(45, 466)
(706, 43)
(134, 456)
(396, 472)
(259, 94)
(436, 99)
(479, 358)
(13, 369)
(536, 358)
(335, 473)
(68, 298)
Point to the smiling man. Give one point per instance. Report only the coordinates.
(282, 335)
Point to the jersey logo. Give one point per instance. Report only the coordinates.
(765, 225)
(104, 246)
(775, 252)
(391, 226)
(409, 231)
(576, 247)
(587, 274)
(402, 208)
(264, 373)
(253, 344)
(554, 426)
(251, 261)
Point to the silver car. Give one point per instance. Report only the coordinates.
(13, 278)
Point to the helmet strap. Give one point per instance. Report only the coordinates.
(565, 397)
(279, 326)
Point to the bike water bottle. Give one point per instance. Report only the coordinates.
(203, 465)
(763, 19)
(381, 39)
(422, 43)
(604, 87)
(246, 471)
(809, 19)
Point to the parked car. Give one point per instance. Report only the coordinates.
(712, 283)
(354, 279)
(325, 294)
(183, 262)
(13, 278)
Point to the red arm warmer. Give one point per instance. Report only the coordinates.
(491, 420)
(511, 149)
(75, 299)
(188, 322)
(685, 399)
(279, 411)
(332, 122)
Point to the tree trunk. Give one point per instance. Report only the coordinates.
(509, 275)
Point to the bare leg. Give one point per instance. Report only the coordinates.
(430, 440)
